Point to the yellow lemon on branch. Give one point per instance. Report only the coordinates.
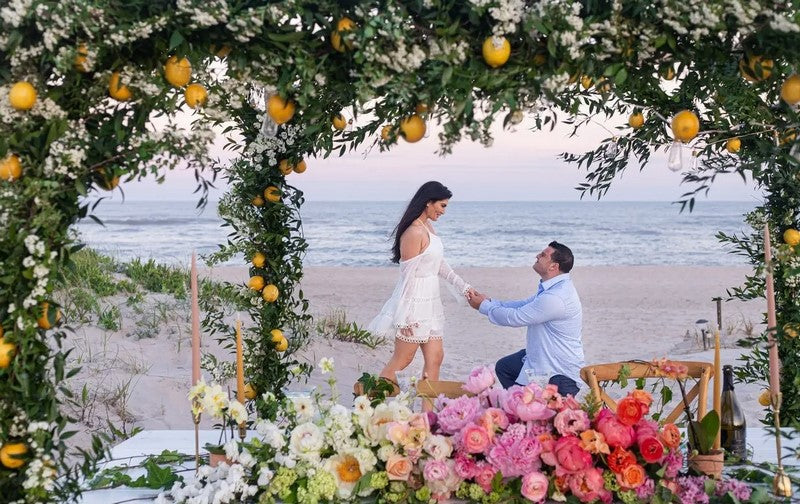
(195, 95)
(791, 237)
(10, 168)
(790, 90)
(270, 293)
(22, 95)
(636, 120)
(44, 318)
(496, 51)
(343, 25)
(11, 453)
(272, 194)
(685, 125)
(281, 111)
(178, 72)
(119, 93)
(412, 128)
(7, 353)
(733, 145)
(259, 260)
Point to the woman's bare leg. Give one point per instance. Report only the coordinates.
(433, 353)
(401, 358)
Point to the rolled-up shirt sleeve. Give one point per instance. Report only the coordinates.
(538, 310)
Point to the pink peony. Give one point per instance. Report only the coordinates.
(571, 422)
(525, 403)
(484, 474)
(435, 470)
(534, 486)
(646, 428)
(588, 485)
(615, 432)
(465, 466)
(457, 413)
(480, 379)
(570, 456)
(474, 439)
(514, 453)
(673, 463)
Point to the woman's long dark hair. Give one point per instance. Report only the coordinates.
(428, 192)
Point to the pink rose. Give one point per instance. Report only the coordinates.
(570, 456)
(435, 470)
(474, 439)
(571, 422)
(480, 379)
(615, 432)
(588, 485)
(534, 486)
(398, 467)
(484, 474)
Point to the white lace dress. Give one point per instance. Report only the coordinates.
(415, 302)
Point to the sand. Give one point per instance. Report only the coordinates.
(630, 312)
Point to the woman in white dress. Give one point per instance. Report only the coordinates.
(413, 316)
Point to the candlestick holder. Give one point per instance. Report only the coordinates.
(242, 431)
(781, 484)
(196, 419)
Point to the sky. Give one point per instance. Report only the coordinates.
(520, 166)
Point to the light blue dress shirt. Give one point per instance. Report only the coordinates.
(554, 320)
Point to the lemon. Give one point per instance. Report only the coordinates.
(256, 282)
(788, 136)
(10, 168)
(791, 237)
(386, 133)
(733, 145)
(790, 330)
(249, 392)
(257, 201)
(339, 122)
(667, 72)
(22, 95)
(343, 25)
(119, 93)
(300, 167)
(685, 125)
(104, 181)
(765, 398)
(755, 68)
(272, 194)
(259, 260)
(178, 72)
(421, 108)
(280, 110)
(7, 352)
(195, 95)
(496, 51)
(276, 335)
(79, 61)
(636, 120)
(282, 345)
(285, 166)
(44, 318)
(790, 90)
(270, 293)
(9, 453)
(412, 128)
(586, 82)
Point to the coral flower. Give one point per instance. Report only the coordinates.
(619, 459)
(630, 411)
(632, 476)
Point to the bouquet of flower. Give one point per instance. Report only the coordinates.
(213, 400)
(495, 446)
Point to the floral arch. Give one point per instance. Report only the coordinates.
(94, 94)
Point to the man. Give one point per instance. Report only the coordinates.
(553, 316)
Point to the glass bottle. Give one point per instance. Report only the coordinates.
(732, 422)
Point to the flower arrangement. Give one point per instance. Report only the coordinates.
(524, 443)
(214, 401)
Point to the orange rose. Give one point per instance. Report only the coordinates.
(670, 436)
(631, 476)
(594, 442)
(398, 468)
(630, 411)
(642, 396)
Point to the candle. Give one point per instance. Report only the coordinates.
(239, 362)
(717, 384)
(772, 322)
(195, 323)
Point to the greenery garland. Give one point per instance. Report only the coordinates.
(94, 92)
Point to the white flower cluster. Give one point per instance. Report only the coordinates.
(508, 14)
(44, 107)
(22, 56)
(247, 24)
(266, 149)
(138, 31)
(556, 83)
(55, 22)
(221, 484)
(220, 371)
(401, 59)
(203, 13)
(40, 474)
(782, 23)
(792, 279)
(448, 51)
(15, 11)
(37, 260)
(695, 18)
(68, 153)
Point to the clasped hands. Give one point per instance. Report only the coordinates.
(475, 298)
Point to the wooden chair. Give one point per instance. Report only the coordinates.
(702, 371)
(429, 390)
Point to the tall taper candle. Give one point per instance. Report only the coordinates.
(239, 362)
(717, 384)
(772, 321)
(195, 322)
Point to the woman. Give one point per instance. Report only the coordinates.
(414, 314)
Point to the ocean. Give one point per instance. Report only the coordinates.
(474, 233)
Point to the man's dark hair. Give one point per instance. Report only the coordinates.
(561, 255)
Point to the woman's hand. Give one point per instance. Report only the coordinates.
(407, 331)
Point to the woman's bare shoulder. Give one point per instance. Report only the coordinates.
(413, 232)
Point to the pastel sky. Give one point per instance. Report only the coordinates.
(519, 166)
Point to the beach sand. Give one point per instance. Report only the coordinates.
(629, 312)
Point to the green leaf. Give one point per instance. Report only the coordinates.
(621, 77)
(447, 74)
(175, 40)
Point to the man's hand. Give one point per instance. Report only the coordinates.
(475, 298)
